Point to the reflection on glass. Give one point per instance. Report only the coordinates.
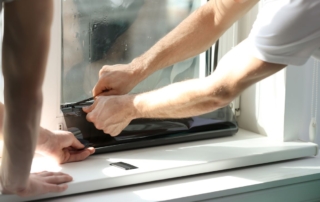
(107, 32)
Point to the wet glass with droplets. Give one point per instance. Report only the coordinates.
(107, 32)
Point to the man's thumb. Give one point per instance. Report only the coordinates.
(87, 109)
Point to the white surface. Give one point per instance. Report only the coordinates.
(170, 161)
(213, 185)
(52, 82)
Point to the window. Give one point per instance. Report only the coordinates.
(107, 32)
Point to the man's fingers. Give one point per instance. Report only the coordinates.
(90, 108)
(108, 92)
(95, 90)
(56, 188)
(90, 149)
(59, 179)
(45, 174)
(98, 88)
(87, 109)
(80, 155)
(69, 140)
(76, 143)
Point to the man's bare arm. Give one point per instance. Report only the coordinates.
(236, 71)
(25, 47)
(194, 35)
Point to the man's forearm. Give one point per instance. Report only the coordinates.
(20, 131)
(25, 47)
(179, 100)
(42, 138)
(236, 71)
(194, 35)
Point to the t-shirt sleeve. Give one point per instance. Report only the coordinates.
(286, 31)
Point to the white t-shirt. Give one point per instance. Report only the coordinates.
(287, 31)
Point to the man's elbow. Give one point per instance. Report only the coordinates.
(222, 97)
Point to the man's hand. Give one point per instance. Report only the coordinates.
(111, 113)
(42, 183)
(117, 79)
(61, 146)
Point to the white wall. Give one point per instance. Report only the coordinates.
(263, 107)
(287, 115)
(298, 102)
(52, 82)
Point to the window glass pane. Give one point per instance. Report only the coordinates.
(107, 32)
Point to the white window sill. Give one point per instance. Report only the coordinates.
(157, 163)
(271, 182)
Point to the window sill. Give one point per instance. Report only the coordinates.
(170, 161)
(294, 180)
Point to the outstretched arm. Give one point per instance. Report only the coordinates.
(236, 71)
(194, 35)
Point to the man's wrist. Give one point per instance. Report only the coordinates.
(141, 67)
(130, 104)
(42, 138)
(138, 105)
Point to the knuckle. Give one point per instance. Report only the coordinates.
(54, 179)
(113, 132)
(59, 188)
(50, 173)
(65, 178)
(97, 99)
(99, 126)
(103, 70)
(116, 133)
(106, 131)
(90, 117)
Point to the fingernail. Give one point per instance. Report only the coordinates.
(92, 150)
(85, 108)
